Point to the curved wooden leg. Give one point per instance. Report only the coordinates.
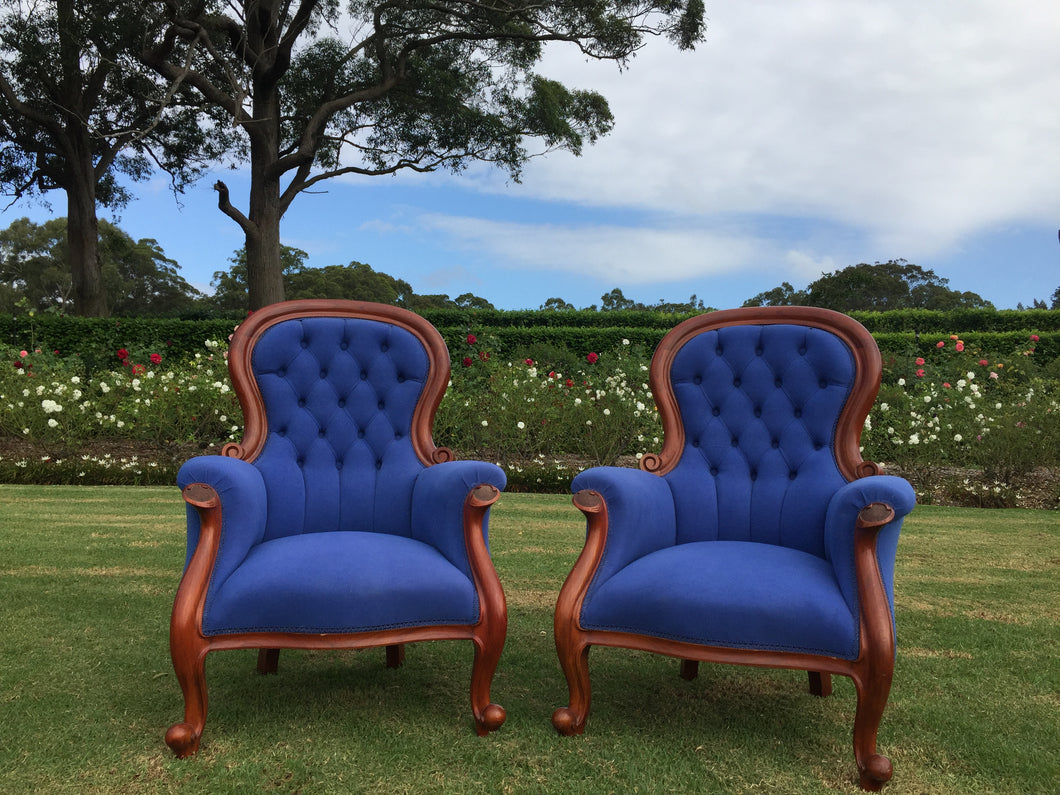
(820, 684)
(689, 669)
(190, 667)
(488, 716)
(575, 663)
(874, 770)
(395, 655)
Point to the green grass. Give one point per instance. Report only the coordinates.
(87, 577)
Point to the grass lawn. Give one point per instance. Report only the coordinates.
(88, 574)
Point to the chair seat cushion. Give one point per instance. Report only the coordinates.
(337, 582)
(736, 594)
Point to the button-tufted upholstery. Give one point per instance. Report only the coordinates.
(336, 522)
(739, 542)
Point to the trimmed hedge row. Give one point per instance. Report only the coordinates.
(512, 333)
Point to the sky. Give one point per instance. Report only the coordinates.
(799, 138)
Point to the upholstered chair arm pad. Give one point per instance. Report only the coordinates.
(438, 505)
(639, 514)
(243, 508)
(841, 521)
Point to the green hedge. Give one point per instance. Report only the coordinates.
(511, 333)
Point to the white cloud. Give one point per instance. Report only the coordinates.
(619, 254)
(914, 123)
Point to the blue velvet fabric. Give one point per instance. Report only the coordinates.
(748, 541)
(337, 526)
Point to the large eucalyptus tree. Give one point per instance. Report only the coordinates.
(322, 89)
(79, 112)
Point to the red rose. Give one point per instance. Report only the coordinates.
(467, 361)
(123, 354)
(592, 358)
(156, 358)
(471, 339)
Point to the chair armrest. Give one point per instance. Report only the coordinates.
(241, 505)
(841, 522)
(639, 515)
(438, 498)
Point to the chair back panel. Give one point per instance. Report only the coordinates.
(760, 406)
(339, 396)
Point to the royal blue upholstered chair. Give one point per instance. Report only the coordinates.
(336, 523)
(757, 535)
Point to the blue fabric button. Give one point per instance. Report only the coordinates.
(736, 382)
(364, 375)
(716, 411)
(305, 343)
(382, 405)
(778, 383)
(714, 471)
(697, 380)
(360, 433)
(344, 345)
(301, 403)
(323, 373)
(758, 412)
(774, 444)
(342, 403)
(798, 412)
(735, 442)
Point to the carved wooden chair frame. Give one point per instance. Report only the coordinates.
(189, 646)
(873, 669)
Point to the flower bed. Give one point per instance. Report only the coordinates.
(966, 426)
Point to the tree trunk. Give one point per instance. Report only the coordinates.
(264, 267)
(82, 235)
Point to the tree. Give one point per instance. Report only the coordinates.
(896, 284)
(137, 277)
(385, 87)
(785, 295)
(1055, 299)
(230, 287)
(356, 281)
(77, 111)
(557, 305)
(615, 301)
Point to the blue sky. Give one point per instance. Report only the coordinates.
(798, 139)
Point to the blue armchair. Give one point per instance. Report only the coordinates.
(336, 523)
(757, 535)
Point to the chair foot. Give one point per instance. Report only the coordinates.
(491, 719)
(567, 723)
(689, 669)
(183, 739)
(876, 772)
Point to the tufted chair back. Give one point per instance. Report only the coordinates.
(338, 413)
(754, 408)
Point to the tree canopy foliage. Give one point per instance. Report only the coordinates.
(896, 284)
(136, 276)
(77, 110)
(373, 88)
(356, 281)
